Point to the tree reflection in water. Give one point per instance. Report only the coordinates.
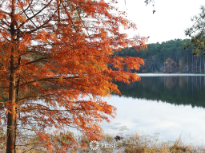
(179, 90)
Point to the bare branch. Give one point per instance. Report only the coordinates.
(36, 13)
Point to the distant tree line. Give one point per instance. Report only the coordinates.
(168, 57)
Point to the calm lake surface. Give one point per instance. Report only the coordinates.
(163, 106)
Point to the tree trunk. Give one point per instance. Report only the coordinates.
(204, 64)
(200, 64)
(11, 118)
(11, 130)
(196, 63)
(164, 67)
(192, 64)
(187, 64)
(204, 67)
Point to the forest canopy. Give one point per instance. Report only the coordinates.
(170, 56)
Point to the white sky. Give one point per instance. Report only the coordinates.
(171, 19)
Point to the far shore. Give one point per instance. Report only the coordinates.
(169, 74)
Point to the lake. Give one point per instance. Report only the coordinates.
(165, 106)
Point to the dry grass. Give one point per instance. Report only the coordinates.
(129, 144)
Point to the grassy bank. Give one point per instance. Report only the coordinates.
(110, 144)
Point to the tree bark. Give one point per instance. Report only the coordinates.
(11, 130)
(11, 119)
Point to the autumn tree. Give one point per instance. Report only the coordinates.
(170, 65)
(53, 54)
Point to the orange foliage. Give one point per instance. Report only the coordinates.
(60, 51)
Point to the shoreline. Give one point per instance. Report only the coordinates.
(168, 74)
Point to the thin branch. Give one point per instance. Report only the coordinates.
(42, 24)
(27, 15)
(36, 14)
(35, 97)
(36, 60)
(47, 79)
(28, 150)
(27, 144)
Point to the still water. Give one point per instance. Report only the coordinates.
(165, 107)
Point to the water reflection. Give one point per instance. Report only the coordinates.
(186, 90)
(171, 106)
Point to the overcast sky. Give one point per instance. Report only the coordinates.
(172, 17)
